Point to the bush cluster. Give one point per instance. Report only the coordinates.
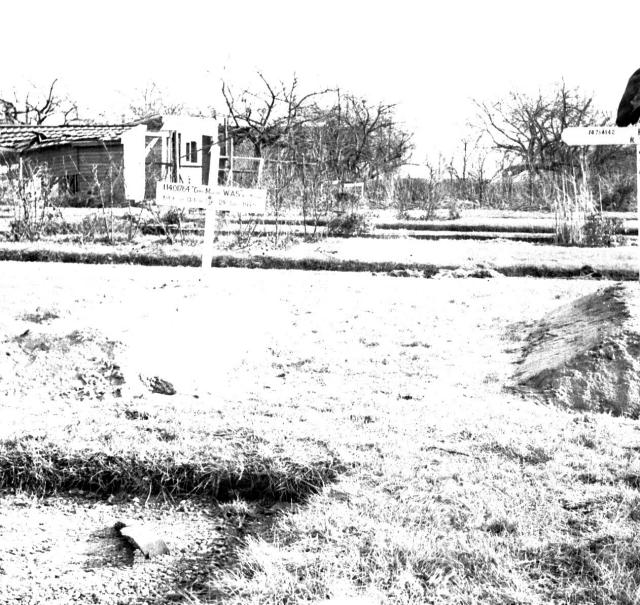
(602, 231)
(349, 225)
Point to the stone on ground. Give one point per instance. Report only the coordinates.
(141, 537)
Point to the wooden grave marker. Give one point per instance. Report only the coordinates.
(212, 199)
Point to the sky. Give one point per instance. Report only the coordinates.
(430, 58)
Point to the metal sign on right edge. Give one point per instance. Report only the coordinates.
(600, 135)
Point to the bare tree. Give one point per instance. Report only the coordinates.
(361, 139)
(458, 169)
(313, 143)
(267, 117)
(365, 139)
(468, 168)
(34, 107)
(152, 100)
(527, 129)
(478, 175)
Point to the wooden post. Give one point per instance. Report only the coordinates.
(638, 202)
(209, 234)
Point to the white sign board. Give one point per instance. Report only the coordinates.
(600, 135)
(229, 199)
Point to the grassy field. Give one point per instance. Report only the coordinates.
(377, 406)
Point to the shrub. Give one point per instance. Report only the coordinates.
(173, 217)
(621, 197)
(57, 225)
(602, 231)
(348, 225)
(454, 210)
(31, 191)
(169, 223)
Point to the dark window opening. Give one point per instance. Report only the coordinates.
(69, 183)
(192, 152)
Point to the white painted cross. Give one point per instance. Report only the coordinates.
(213, 199)
(609, 135)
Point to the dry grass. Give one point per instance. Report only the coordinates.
(445, 488)
(493, 529)
(45, 467)
(574, 202)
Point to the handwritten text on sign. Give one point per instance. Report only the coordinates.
(232, 199)
(600, 135)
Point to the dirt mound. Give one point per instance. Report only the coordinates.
(586, 355)
(47, 354)
(78, 363)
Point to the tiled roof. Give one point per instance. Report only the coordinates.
(19, 136)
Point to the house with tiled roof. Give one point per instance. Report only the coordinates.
(128, 159)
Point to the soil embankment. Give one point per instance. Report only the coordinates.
(586, 355)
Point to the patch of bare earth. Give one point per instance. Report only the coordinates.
(70, 552)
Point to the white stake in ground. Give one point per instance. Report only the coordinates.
(609, 135)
